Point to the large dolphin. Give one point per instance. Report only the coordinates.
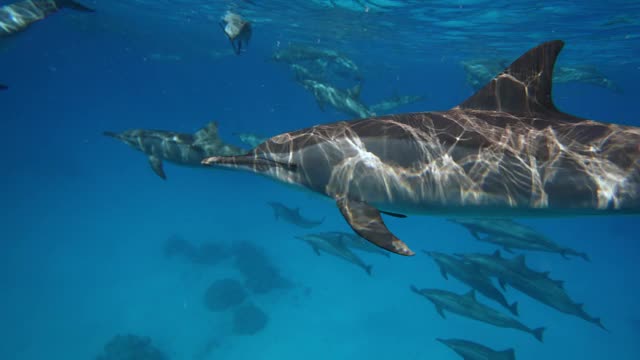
(292, 215)
(18, 16)
(505, 151)
(470, 350)
(178, 148)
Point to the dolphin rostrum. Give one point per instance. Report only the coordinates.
(178, 148)
(292, 215)
(470, 350)
(470, 275)
(466, 305)
(505, 151)
(336, 247)
(18, 16)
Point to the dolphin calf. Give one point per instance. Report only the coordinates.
(334, 246)
(466, 305)
(542, 288)
(469, 274)
(291, 215)
(18, 16)
(178, 148)
(512, 235)
(470, 350)
(505, 151)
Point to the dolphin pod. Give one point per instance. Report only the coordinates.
(505, 151)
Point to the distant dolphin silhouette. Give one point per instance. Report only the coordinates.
(506, 151)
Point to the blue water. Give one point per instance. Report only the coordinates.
(84, 219)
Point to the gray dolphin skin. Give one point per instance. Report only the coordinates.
(336, 247)
(505, 151)
(509, 235)
(466, 305)
(291, 215)
(178, 148)
(536, 285)
(18, 16)
(470, 350)
(470, 275)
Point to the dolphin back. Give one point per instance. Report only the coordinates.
(71, 4)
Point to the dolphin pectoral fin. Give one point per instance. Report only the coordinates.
(440, 311)
(503, 284)
(402, 216)
(475, 235)
(156, 165)
(366, 221)
(444, 274)
(315, 250)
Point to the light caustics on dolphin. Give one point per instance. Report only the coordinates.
(505, 151)
(18, 16)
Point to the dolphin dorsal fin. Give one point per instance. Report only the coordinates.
(207, 132)
(355, 91)
(524, 88)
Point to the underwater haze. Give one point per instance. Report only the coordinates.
(101, 258)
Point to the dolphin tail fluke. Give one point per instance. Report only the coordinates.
(110, 134)
(156, 165)
(538, 333)
(514, 308)
(368, 268)
(71, 4)
(508, 354)
(367, 222)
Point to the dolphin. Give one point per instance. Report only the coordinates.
(347, 102)
(3, 87)
(290, 215)
(394, 102)
(18, 16)
(512, 235)
(469, 274)
(334, 246)
(466, 305)
(353, 241)
(470, 350)
(237, 29)
(505, 151)
(542, 288)
(178, 148)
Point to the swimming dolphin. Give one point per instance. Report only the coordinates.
(394, 102)
(334, 246)
(512, 235)
(237, 29)
(466, 305)
(250, 139)
(347, 101)
(178, 148)
(352, 241)
(470, 275)
(470, 350)
(18, 16)
(291, 215)
(505, 151)
(538, 286)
